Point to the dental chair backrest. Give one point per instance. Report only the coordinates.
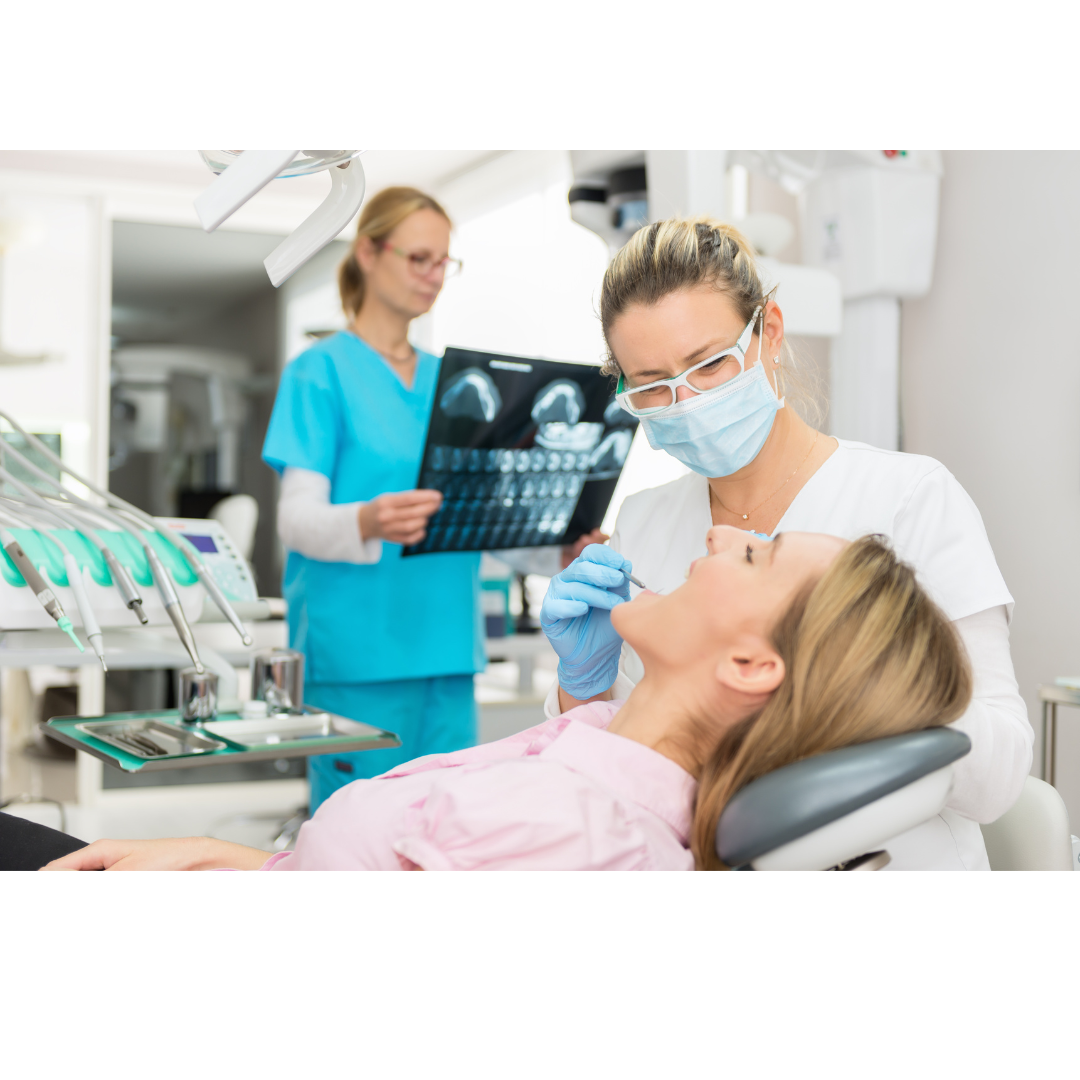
(839, 810)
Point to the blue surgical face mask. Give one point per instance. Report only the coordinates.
(717, 432)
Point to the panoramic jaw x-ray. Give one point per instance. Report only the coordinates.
(526, 452)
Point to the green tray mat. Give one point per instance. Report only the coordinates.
(66, 728)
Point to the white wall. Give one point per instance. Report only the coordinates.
(990, 385)
(52, 301)
(531, 282)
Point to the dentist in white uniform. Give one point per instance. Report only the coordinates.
(700, 354)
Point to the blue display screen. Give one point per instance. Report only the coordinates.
(202, 543)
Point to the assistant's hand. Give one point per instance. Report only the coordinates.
(571, 551)
(399, 516)
(576, 617)
(189, 853)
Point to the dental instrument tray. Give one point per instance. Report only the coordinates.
(285, 729)
(526, 452)
(149, 741)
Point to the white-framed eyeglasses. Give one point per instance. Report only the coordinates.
(710, 374)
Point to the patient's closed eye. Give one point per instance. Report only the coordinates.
(749, 554)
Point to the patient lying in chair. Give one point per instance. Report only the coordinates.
(772, 651)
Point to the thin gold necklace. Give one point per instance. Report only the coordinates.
(390, 356)
(398, 359)
(746, 516)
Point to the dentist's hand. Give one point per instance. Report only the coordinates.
(576, 617)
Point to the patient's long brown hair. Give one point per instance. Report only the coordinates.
(867, 654)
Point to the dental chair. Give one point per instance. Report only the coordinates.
(1034, 834)
(837, 811)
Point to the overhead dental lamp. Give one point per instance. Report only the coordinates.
(243, 173)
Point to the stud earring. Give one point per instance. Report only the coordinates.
(776, 359)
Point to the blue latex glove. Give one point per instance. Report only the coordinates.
(576, 617)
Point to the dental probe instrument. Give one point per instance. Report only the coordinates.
(91, 628)
(185, 547)
(157, 569)
(634, 581)
(124, 582)
(38, 585)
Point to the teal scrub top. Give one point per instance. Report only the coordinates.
(341, 411)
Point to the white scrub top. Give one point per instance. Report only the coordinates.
(936, 528)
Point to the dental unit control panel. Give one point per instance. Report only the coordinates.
(218, 554)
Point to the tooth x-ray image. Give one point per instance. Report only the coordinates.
(526, 452)
(471, 394)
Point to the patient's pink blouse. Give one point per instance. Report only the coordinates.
(565, 795)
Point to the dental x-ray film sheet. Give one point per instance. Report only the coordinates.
(526, 452)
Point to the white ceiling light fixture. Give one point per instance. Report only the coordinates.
(243, 173)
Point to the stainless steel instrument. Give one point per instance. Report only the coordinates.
(150, 739)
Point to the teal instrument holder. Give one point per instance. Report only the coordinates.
(43, 552)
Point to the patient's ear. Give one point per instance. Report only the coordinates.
(752, 668)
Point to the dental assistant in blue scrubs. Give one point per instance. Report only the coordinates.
(389, 641)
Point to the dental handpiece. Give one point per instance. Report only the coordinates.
(172, 606)
(121, 576)
(157, 570)
(38, 585)
(165, 589)
(123, 581)
(125, 585)
(91, 627)
(204, 575)
(216, 594)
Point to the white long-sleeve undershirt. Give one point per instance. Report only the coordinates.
(309, 523)
(988, 780)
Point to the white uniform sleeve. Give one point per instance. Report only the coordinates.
(938, 529)
(989, 779)
(309, 523)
